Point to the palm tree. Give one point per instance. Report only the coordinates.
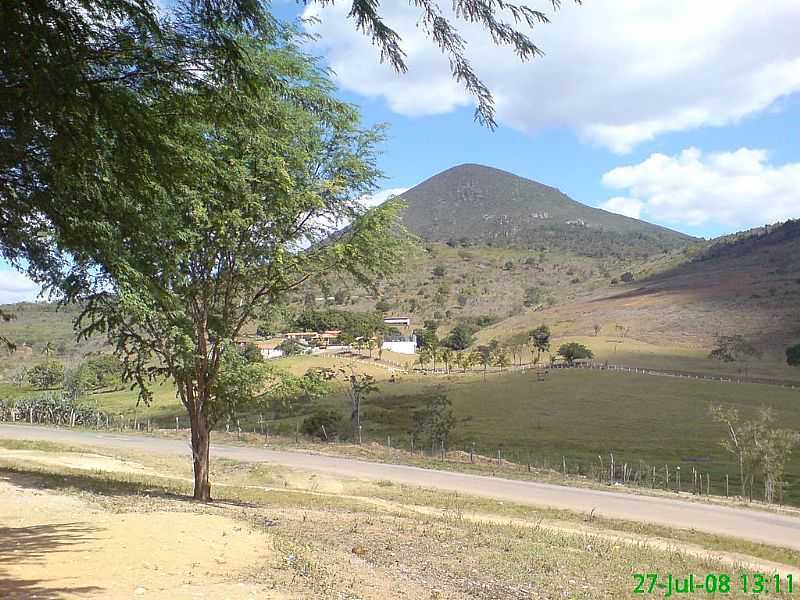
(49, 349)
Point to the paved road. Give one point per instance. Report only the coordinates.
(754, 525)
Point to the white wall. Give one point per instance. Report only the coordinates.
(401, 347)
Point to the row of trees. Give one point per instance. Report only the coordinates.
(497, 354)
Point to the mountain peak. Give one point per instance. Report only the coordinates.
(484, 205)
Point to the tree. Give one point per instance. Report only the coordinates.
(291, 347)
(5, 317)
(597, 329)
(734, 348)
(574, 351)
(47, 375)
(759, 446)
(81, 77)
(447, 355)
(435, 421)
(48, 350)
(501, 357)
(461, 337)
(626, 277)
(138, 149)
(539, 340)
(793, 355)
(257, 191)
(252, 352)
(483, 356)
(358, 386)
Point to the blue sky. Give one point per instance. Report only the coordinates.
(684, 114)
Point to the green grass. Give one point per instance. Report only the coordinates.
(581, 414)
(573, 414)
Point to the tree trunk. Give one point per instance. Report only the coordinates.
(201, 440)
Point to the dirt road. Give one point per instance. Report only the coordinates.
(753, 525)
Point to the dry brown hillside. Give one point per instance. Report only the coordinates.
(747, 286)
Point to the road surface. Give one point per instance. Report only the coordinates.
(753, 525)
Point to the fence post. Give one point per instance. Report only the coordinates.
(708, 484)
(442, 441)
(726, 485)
(177, 423)
(472, 453)
(678, 477)
(498, 457)
(563, 466)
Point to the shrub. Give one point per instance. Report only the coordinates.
(575, 351)
(46, 375)
(323, 424)
(627, 277)
(438, 271)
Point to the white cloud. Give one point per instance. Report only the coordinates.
(16, 287)
(619, 72)
(382, 196)
(734, 189)
(630, 207)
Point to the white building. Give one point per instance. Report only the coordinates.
(401, 344)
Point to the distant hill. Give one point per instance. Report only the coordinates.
(478, 205)
(742, 284)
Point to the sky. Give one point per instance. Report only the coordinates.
(682, 113)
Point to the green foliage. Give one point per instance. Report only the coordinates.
(461, 337)
(355, 324)
(793, 355)
(52, 408)
(324, 424)
(733, 348)
(574, 351)
(760, 446)
(47, 375)
(252, 353)
(434, 422)
(626, 277)
(438, 271)
(102, 372)
(358, 386)
(291, 347)
(539, 339)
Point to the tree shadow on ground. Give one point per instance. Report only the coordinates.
(27, 545)
(104, 484)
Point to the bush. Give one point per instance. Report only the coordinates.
(46, 375)
(627, 277)
(438, 271)
(575, 351)
(793, 355)
(461, 337)
(323, 424)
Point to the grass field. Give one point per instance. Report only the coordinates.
(574, 414)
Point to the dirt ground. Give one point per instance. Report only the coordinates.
(57, 546)
(279, 534)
